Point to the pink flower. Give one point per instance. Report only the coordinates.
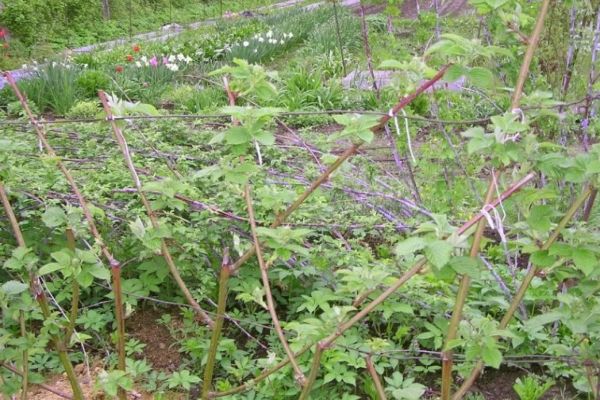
(165, 60)
(153, 61)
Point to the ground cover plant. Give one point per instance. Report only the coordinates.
(196, 219)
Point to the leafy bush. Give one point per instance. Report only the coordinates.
(84, 109)
(91, 80)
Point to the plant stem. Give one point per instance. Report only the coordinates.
(25, 377)
(524, 286)
(365, 35)
(533, 41)
(461, 297)
(74, 290)
(339, 161)
(314, 371)
(218, 327)
(375, 377)
(116, 278)
(587, 211)
(40, 297)
(153, 219)
(339, 36)
(269, 296)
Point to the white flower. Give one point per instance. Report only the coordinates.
(172, 67)
(24, 66)
(260, 39)
(144, 59)
(54, 63)
(180, 57)
(171, 58)
(246, 44)
(281, 41)
(291, 35)
(188, 60)
(270, 33)
(256, 50)
(138, 64)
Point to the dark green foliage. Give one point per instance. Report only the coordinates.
(90, 81)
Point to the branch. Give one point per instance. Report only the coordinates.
(270, 303)
(218, 327)
(375, 377)
(138, 184)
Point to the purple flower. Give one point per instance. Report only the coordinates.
(585, 123)
(153, 61)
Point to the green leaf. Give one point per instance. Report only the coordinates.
(54, 216)
(539, 218)
(13, 287)
(237, 135)
(98, 271)
(490, 354)
(585, 260)
(410, 246)
(264, 137)
(543, 319)
(50, 268)
(466, 266)
(455, 72)
(481, 77)
(541, 258)
(438, 253)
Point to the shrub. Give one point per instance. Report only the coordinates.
(90, 81)
(84, 109)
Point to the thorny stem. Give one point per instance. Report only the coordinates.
(589, 205)
(375, 377)
(218, 327)
(269, 296)
(75, 291)
(532, 45)
(114, 264)
(25, 376)
(153, 219)
(461, 297)
(524, 286)
(365, 35)
(40, 297)
(415, 269)
(314, 371)
(340, 160)
(339, 36)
